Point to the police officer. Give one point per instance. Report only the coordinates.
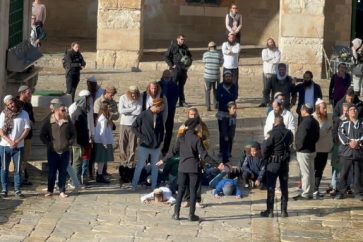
(73, 64)
(276, 154)
(179, 58)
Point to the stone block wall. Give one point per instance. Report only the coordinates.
(338, 24)
(302, 35)
(119, 34)
(71, 18)
(164, 19)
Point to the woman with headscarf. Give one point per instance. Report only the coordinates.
(191, 150)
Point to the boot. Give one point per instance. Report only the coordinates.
(193, 217)
(267, 213)
(175, 216)
(284, 214)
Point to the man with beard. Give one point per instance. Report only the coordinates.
(153, 91)
(179, 59)
(279, 110)
(129, 107)
(170, 91)
(226, 92)
(14, 127)
(308, 92)
(307, 134)
(270, 57)
(351, 98)
(25, 96)
(230, 50)
(280, 82)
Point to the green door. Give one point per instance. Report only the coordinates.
(16, 22)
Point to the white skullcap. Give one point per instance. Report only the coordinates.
(319, 101)
(8, 98)
(84, 93)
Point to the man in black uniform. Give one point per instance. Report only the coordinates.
(276, 154)
(73, 63)
(179, 59)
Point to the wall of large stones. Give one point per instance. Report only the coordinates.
(164, 19)
(71, 18)
(338, 23)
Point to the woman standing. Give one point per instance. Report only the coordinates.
(73, 64)
(103, 141)
(324, 144)
(39, 10)
(234, 22)
(191, 150)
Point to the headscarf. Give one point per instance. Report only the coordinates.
(10, 116)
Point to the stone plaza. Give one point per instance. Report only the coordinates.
(114, 213)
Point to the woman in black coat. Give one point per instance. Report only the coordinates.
(191, 150)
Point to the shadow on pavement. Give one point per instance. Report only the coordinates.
(7, 208)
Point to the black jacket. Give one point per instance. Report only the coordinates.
(300, 89)
(174, 55)
(347, 132)
(338, 109)
(191, 150)
(307, 135)
(149, 136)
(73, 61)
(287, 87)
(278, 142)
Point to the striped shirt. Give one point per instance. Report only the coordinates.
(213, 60)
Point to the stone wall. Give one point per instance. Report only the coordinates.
(4, 30)
(338, 24)
(71, 18)
(164, 19)
(119, 34)
(301, 35)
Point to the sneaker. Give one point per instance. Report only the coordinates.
(63, 195)
(3, 194)
(284, 214)
(18, 194)
(329, 190)
(175, 216)
(317, 195)
(267, 214)
(102, 179)
(333, 192)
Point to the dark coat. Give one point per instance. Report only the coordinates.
(348, 131)
(307, 134)
(225, 96)
(300, 89)
(171, 91)
(287, 88)
(278, 143)
(175, 53)
(73, 62)
(149, 136)
(191, 150)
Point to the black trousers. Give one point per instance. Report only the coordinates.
(199, 192)
(319, 165)
(184, 180)
(271, 176)
(169, 125)
(345, 165)
(180, 77)
(72, 80)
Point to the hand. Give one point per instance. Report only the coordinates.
(217, 196)
(238, 197)
(159, 163)
(13, 144)
(257, 183)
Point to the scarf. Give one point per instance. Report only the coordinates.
(10, 116)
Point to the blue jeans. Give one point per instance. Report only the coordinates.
(57, 162)
(213, 183)
(72, 174)
(16, 155)
(142, 156)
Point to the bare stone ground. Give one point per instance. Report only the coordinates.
(114, 213)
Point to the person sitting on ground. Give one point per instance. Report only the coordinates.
(253, 167)
(227, 187)
(159, 195)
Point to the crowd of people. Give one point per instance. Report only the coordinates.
(79, 138)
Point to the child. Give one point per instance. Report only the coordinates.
(103, 141)
(227, 130)
(253, 167)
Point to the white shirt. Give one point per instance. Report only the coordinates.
(167, 196)
(289, 121)
(230, 55)
(270, 59)
(20, 123)
(129, 109)
(103, 132)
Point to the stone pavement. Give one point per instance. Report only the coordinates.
(114, 213)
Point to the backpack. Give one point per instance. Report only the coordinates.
(64, 60)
